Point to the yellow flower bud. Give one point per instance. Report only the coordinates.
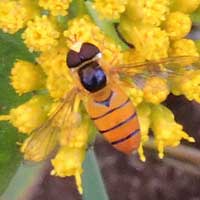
(57, 7)
(166, 131)
(68, 162)
(26, 77)
(40, 34)
(156, 90)
(144, 111)
(110, 9)
(29, 115)
(135, 94)
(183, 47)
(177, 25)
(187, 84)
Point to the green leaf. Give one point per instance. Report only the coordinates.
(195, 16)
(12, 48)
(93, 187)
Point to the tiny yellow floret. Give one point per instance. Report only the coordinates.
(183, 47)
(57, 7)
(110, 9)
(41, 34)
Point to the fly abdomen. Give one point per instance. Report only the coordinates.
(118, 122)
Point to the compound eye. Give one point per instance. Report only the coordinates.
(73, 59)
(88, 51)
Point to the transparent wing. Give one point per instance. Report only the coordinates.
(173, 63)
(139, 72)
(44, 139)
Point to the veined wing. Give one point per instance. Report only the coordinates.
(171, 66)
(44, 139)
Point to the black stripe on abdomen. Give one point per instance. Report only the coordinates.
(120, 124)
(112, 110)
(126, 138)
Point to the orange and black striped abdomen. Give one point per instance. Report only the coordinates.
(117, 121)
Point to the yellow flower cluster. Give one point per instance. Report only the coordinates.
(13, 16)
(155, 28)
(40, 34)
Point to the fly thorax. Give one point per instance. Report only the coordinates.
(92, 77)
